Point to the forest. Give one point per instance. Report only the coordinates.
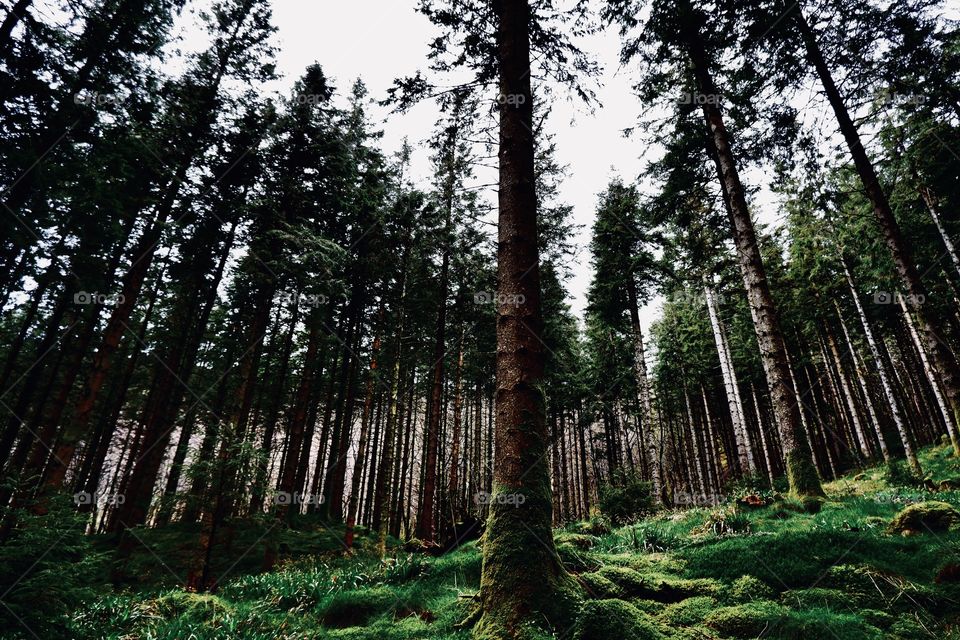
(266, 374)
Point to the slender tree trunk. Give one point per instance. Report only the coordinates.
(801, 472)
(362, 444)
(643, 396)
(881, 365)
(931, 377)
(942, 360)
(744, 450)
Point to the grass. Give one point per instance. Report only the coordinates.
(772, 571)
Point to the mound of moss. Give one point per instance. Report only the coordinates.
(749, 588)
(931, 515)
(747, 620)
(608, 619)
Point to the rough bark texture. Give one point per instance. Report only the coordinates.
(523, 582)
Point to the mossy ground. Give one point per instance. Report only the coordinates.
(774, 571)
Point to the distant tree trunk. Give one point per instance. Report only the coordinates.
(942, 359)
(881, 365)
(801, 472)
(768, 460)
(643, 395)
(848, 397)
(744, 450)
(864, 389)
(362, 443)
(931, 378)
(379, 522)
(453, 488)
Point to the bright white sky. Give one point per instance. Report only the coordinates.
(380, 40)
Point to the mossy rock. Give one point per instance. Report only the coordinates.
(748, 589)
(688, 612)
(747, 620)
(609, 619)
(932, 515)
(819, 597)
(577, 540)
(599, 586)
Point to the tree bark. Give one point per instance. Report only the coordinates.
(801, 472)
(522, 580)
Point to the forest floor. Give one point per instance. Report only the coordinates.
(773, 570)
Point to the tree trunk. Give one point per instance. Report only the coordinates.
(643, 395)
(942, 360)
(801, 473)
(744, 450)
(881, 365)
(522, 579)
(931, 378)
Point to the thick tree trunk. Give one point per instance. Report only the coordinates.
(522, 579)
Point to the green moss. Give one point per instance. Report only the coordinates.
(595, 526)
(877, 618)
(818, 597)
(578, 540)
(747, 620)
(611, 619)
(908, 627)
(659, 587)
(523, 581)
(748, 589)
(823, 623)
(802, 475)
(599, 586)
(631, 582)
(690, 611)
(922, 517)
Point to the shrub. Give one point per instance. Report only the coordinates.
(625, 498)
(47, 569)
